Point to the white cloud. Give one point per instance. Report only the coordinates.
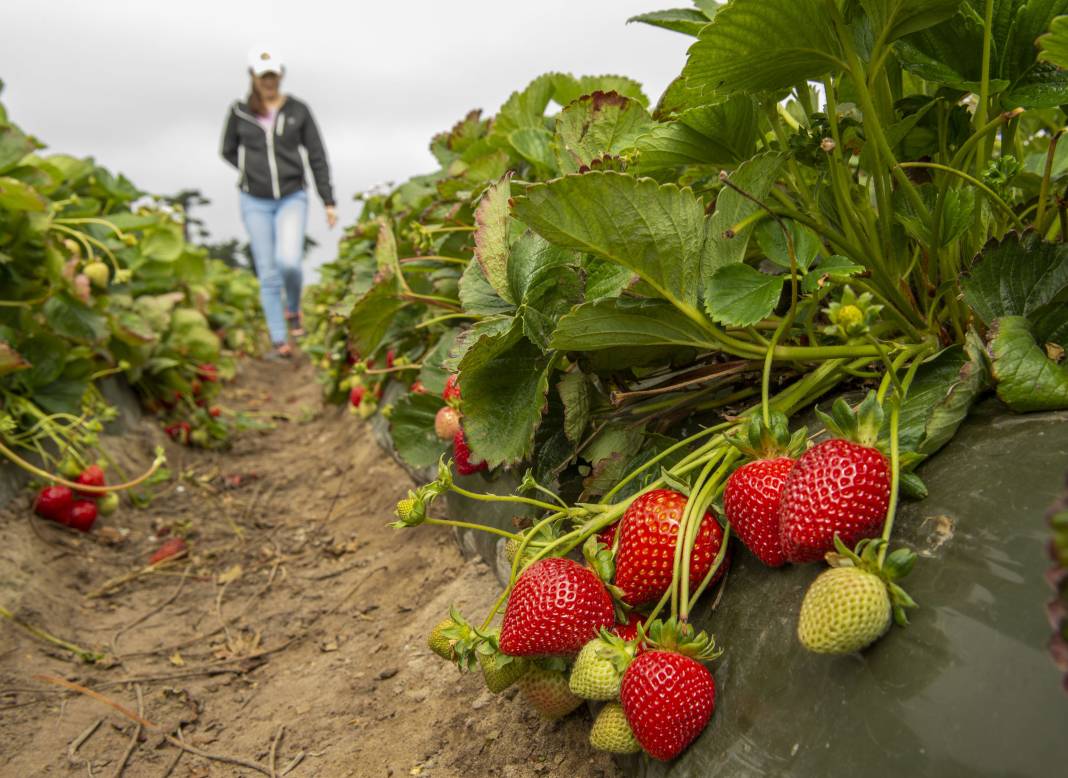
(144, 86)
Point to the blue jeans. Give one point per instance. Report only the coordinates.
(276, 233)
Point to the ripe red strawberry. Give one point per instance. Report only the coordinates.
(556, 607)
(208, 372)
(91, 476)
(215, 411)
(356, 395)
(82, 515)
(390, 356)
(54, 503)
(178, 432)
(417, 388)
(607, 536)
(629, 631)
(451, 394)
(461, 452)
(668, 699)
(447, 422)
(170, 547)
(646, 552)
(835, 487)
(751, 505)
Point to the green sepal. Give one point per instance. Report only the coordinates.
(679, 637)
(851, 317)
(757, 440)
(672, 482)
(617, 650)
(899, 564)
(463, 638)
(913, 487)
(895, 566)
(900, 600)
(600, 558)
(860, 425)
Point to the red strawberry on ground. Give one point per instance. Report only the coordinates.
(839, 486)
(646, 554)
(82, 515)
(555, 608)
(447, 422)
(54, 503)
(91, 476)
(178, 432)
(668, 697)
(752, 494)
(170, 547)
(356, 395)
(451, 394)
(461, 453)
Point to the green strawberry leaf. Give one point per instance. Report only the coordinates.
(656, 231)
(1016, 277)
(372, 316)
(688, 21)
(505, 379)
(595, 125)
(412, 429)
(575, 394)
(491, 236)
(740, 295)
(722, 135)
(1027, 379)
(761, 46)
(615, 323)
(726, 242)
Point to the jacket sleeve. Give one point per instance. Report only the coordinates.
(313, 142)
(230, 141)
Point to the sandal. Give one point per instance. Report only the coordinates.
(296, 324)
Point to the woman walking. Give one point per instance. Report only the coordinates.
(262, 139)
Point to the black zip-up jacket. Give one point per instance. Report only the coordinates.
(269, 162)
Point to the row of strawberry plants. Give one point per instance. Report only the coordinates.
(97, 279)
(833, 200)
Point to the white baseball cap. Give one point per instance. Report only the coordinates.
(262, 61)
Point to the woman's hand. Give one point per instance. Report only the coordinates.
(331, 216)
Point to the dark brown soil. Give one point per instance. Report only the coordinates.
(298, 613)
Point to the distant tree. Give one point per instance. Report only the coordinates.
(193, 229)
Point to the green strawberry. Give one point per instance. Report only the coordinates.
(599, 667)
(500, 670)
(849, 607)
(612, 733)
(440, 643)
(544, 687)
(455, 640)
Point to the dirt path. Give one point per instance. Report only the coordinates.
(297, 608)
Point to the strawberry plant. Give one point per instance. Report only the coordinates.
(98, 281)
(852, 206)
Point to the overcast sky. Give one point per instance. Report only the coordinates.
(144, 86)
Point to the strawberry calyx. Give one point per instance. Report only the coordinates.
(760, 440)
(616, 649)
(600, 558)
(679, 637)
(862, 424)
(463, 639)
(488, 644)
(895, 566)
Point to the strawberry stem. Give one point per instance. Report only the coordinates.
(30, 468)
(85, 655)
(471, 525)
(503, 498)
(716, 564)
(708, 494)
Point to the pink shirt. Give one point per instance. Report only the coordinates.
(267, 122)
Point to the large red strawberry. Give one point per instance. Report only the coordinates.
(839, 486)
(356, 395)
(54, 503)
(91, 476)
(461, 452)
(668, 696)
(646, 554)
(556, 607)
(751, 505)
(752, 494)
